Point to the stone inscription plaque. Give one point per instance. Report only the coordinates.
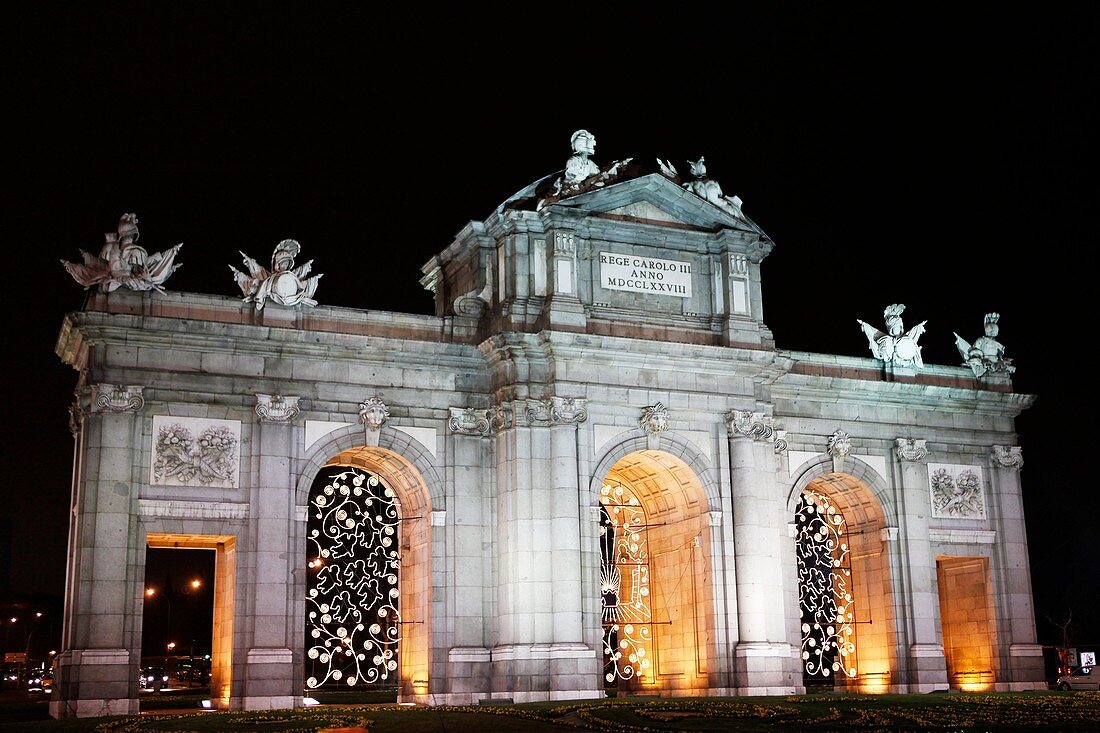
(638, 274)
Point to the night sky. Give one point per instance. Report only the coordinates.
(942, 160)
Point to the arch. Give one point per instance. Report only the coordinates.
(404, 465)
(414, 454)
(675, 527)
(853, 467)
(858, 494)
(637, 441)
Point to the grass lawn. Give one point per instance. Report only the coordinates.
(1072, 711)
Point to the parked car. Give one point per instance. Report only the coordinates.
(1082, 678)
(152, 678)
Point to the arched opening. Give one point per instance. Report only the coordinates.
(844, 586)
(368, 537)
(656, 579)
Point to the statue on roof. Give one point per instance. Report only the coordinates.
(986, 354)
(581, 172)
(710, 190)
(284, 284)
(123, 263)
(895, 346)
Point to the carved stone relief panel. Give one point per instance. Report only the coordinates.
(191, 451)
(957, 492)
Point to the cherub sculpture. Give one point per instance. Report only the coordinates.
(123, 263)
(987, 354)
(285, 284)
(895, 346)
(708, 189)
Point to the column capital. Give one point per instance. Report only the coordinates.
(1007, 456)
(276, 408)
(117, 398)
(911, 449)
(501, 417)
(557, 411)
(468, 421)
(755, 425)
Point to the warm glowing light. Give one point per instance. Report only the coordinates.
(38, 614)
(53, 652)
(14, 619)
(150, 592)
(196, 583)
(171, 645)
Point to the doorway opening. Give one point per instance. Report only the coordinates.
(656, 582)
(845, 593)
(187, 615)
(353, 619)
(966, 619)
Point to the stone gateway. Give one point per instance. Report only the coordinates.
(591, 469)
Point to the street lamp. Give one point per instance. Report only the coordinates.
(196, 584)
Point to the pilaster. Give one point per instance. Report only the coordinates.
(927, 667)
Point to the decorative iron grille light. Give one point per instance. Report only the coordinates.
(624, 584)
(825, 590)
(352, 622)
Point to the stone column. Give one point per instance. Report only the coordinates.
(275, 626)
(1025, 657)
(97, 667)
(763, 663)
(540, 653)
(927, 667)
(468, 668)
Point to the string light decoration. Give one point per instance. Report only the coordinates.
(624, 584)
(825, 591)
(353, 627)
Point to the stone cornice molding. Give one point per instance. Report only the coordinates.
(117, 398)
(911, 449)
(1007, 456)
(749, 424)
(468, 421)
(276, 408)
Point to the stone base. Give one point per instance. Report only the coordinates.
(765, 668)
(272, 681)
(95, 682)
(927, 668)
(534, 672)
(1026, 669)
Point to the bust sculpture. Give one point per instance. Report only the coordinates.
(579, 166)
(895, 346)
(986, 354)
(124, 263)
(284, 284)
(709, 189)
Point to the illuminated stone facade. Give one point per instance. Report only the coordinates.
(608, 332)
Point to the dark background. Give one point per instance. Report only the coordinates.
(943, 159)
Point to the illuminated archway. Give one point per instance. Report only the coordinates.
(401, 569)
(656, 576)
(845, 591)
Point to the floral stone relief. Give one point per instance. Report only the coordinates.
(189, 451)
(956, 491)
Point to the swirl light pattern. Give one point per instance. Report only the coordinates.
(825, 591)
(624, 584)
(352, 622)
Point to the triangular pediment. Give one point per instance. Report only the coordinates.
(654, 199)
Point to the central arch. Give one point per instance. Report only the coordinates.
(842, 528)
(403, 467)
(656, 571)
